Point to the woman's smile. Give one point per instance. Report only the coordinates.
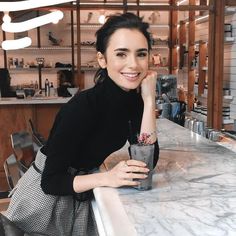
(131, 76)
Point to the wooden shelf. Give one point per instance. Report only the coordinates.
(230, 10)
(160, 47)
(46, 48)
(228, 121)
(35, 69)
(228, 97)
(158, 26)
(229, 39)
(87, 68)
(88, 47)
(89, 26)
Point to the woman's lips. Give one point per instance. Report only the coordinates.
(131, 76)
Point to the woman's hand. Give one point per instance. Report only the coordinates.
(148, 87)
(124, 173)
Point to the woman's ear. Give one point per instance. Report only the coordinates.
(101, 60)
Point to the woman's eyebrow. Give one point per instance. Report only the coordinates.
(126, 49)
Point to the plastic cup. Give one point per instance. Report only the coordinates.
(144, 153)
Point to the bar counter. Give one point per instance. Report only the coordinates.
(34, 100)
(14, 117)
(194, 191)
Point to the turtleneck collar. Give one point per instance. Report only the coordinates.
(117, 95)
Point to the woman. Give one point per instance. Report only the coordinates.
(65, 80)
(91, 126)
(5, 81)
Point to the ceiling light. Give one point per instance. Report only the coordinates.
(29, 4)
(102, 19)
(16, 44)
(52, 17)
(181, 2)
(6, 18)
(202, 18)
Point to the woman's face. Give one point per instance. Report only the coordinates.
(126, 58)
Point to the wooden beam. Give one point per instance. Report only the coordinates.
(72, 43)
(182, 44)
(202, 63)
(173, 38)
(211, 58)
(191, 56)
(133, 7)
(4, 51)
(215, 65)
(219, 64)
(80, 78)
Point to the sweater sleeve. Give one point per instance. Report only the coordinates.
(73, 124)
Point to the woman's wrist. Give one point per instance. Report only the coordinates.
(149, 102)
(84, 183)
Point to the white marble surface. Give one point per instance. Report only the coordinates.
(228, 143)
(194, 188)
(33, 100)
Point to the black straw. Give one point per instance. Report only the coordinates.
(131, 133)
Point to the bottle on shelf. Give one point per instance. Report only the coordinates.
(47, 88)
(36, 85)
(52, 90)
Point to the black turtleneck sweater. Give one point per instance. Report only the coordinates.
(91, 126)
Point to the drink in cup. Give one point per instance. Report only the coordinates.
(144, 153)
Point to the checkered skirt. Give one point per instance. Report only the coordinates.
(38, 213)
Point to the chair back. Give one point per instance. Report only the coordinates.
(38, 138)
(12, 171)
(22, 145)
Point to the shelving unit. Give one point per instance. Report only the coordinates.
(41, 48)
(177, 36)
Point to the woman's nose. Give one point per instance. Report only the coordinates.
(132, 62)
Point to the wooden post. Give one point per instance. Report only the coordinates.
(182, 43)
(4, 52)
(191, 56)
(80, 78)
(173, 55)
(202, 63)
(72, 43)
(215, 65)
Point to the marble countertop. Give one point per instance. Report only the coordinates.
(194, 190)
(34, 100)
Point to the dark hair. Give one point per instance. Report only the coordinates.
(114, 22)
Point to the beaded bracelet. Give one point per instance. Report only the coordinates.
(143, 138)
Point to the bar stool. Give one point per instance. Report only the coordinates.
(23, 148)
(12, 171)
(38, 138)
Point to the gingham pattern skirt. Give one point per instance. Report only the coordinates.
(38, 213)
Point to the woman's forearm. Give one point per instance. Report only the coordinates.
(84, 183)
(124, 173)
(148, 125)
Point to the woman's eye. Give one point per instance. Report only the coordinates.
(142, 54)
(120, 54)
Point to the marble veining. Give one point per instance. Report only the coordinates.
(194, 188)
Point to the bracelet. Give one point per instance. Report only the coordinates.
(143, 138)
